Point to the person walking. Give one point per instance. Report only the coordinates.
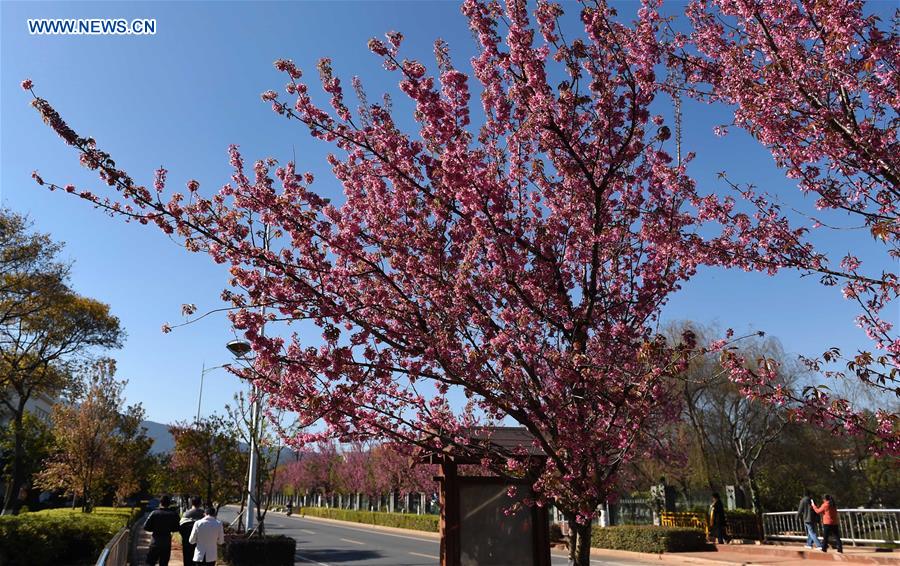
(207, 535)
(717, 519)
(831, 523)
(810, 518)
(161, 523)
(186, 525)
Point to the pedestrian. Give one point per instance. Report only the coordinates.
(191, 516)
(807, 515)
(831, 523)
(207, 534)
(717, 519)
(161, 523)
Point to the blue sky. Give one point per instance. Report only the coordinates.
(180, 97)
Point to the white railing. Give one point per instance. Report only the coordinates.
(858, 526)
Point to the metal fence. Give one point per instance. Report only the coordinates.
(631, 511)
(858, 526)
(416, 503)
(115, 553)
(737, 526)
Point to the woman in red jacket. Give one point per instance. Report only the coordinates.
(830, 523)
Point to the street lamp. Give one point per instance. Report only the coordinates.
(240, 349)
(203, 373)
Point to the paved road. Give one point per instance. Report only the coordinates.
(324, 543)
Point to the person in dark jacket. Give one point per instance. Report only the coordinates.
(161, 523)
(808, 516)
(191, 516)
(831, 523)
(717, 519)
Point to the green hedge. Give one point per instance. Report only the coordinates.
(56, 537)
(270, 550)
(648, 539)
(399, 520)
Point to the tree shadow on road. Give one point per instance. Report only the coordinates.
(337, 556)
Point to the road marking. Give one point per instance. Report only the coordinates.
(310, 560)
(425, 555)
(307, 531)
(368, 531)
(351, 541)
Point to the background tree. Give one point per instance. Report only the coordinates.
(357, 469)
(100, 446)
(45, 328)
(29, 267)
(732, 429)
(37, 444)
(160, 478)
(208, 460)
(291, 480)
(321, 469)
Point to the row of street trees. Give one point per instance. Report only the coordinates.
(356, 469)
(525, 262)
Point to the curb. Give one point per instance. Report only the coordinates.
(670, 558)
(798, 553)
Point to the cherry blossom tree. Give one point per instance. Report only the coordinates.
(816, 83)
(357, 470)
(521, 264)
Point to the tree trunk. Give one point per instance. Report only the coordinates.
(11, 501)
(754, 493)
(86, 490)
(579, 542)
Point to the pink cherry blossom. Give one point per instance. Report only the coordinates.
(522, 261)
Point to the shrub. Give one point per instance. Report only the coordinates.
(58, 536)
(398, 520)
(269, 550)
(649, 539)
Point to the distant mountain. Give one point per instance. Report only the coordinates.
(163, 442)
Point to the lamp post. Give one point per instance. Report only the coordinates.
(203, 373)
(240, 349)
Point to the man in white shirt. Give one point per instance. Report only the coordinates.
(207, 534)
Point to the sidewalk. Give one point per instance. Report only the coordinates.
(750, 554)
(794, 553)
(143, 542)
